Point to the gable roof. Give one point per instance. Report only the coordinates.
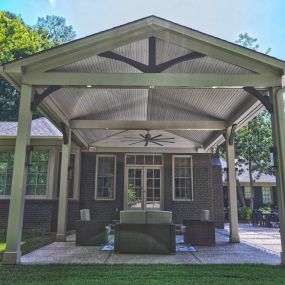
(116, 64)
(40, 127)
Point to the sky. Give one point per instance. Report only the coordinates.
(226, 19)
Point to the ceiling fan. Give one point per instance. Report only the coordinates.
(147, 138)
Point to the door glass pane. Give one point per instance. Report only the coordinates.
(153, 189)
(135, 188)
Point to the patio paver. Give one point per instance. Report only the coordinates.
(258, 245)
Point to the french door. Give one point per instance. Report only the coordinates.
(143, 187)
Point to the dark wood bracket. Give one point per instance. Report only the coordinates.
(64, 131)
(263, 99)
(231, 138)
(38, 98)
(152, 67)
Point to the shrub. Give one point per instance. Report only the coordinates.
(245, 213)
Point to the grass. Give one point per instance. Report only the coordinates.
(31, 240)
(142, 274)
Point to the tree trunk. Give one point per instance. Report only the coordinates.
(240, 194)
(251, 186)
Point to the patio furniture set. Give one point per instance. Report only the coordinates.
(147, 232)
(269, 220)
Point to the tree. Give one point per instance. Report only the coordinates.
(55, 30)
(250, 42)
(252, 143)
(17, 40)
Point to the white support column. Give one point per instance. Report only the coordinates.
(278, 132)
(232, 190)
(12, 254)
(63, 192)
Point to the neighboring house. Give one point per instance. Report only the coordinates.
(264, 187)
(107, 183)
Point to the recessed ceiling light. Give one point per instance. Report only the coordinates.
(214, 87)
(88, 86)
(151, 87)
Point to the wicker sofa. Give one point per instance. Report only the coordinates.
(145, 232)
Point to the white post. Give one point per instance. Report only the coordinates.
(278, 132)
(232, 190)
(12, 254)
(63, 192)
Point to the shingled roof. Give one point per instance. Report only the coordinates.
(41, 127)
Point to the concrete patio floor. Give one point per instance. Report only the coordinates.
(258, 245)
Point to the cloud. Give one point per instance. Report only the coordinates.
(52, 2)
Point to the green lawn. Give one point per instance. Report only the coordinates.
(31, 240)
(142, 274)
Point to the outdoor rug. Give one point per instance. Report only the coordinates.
(180, 246)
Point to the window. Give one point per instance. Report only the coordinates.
(182, 177)
(141, 159)
(105, 177)
(36, 177)
(6, 171)
(266, 195)
(247, 193)
(37, 174)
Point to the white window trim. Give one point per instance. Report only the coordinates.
(144, 153)
(115, 176)
(49, 175)
(173, 177)
(271, 195)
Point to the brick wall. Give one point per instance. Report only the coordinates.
(102, 210)
(202, 193)
(202, 189)
(40, 214)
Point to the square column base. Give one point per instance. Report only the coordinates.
(234, 239)
(60, 238)
(11, 257)
(282, 254)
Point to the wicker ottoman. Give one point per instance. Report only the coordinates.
(199, 232)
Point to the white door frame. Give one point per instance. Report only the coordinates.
(144, 185)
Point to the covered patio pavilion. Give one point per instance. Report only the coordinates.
(151, 74)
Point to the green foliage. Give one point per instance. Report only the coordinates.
(265, 209)
(245, 213)
(18, 40)
(252, 143)
(250, 42)
(55, 30)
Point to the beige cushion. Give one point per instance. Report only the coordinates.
(133, 217)
(158, 217)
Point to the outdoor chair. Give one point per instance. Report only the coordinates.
(90, 232)
(258, 219)
(199, 232)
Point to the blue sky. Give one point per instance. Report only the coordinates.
(226, 19)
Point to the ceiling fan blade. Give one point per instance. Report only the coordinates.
(164, 139)
(146, 143)
(157, 143)
(142, 136)
(136, 142)
(131, 138)
(156, 136)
